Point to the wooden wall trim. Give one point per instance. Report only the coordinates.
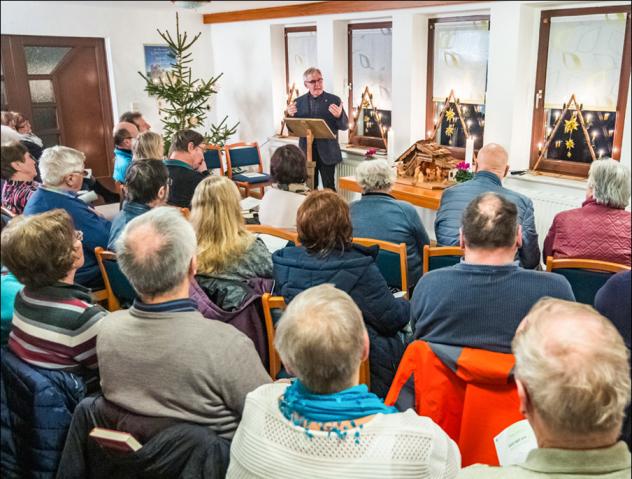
(321, 8)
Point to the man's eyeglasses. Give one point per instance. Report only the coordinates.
(314, 82)
(78, 235)
(84, 173)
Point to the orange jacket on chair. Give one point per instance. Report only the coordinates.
(469, 392)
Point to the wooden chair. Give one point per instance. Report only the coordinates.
(586, 276)
(288, 235)
(392, 261)
(443, 256)
(271, 302)
(213, 158)
(239, 155)
(117, 286)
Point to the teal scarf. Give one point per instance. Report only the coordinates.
(302, 407)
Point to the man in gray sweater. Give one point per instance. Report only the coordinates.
(162, 357)
(479, 302)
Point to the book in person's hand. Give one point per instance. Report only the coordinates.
(110, 439)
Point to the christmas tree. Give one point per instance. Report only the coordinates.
(183, 101)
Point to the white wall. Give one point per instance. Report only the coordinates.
(125, 30)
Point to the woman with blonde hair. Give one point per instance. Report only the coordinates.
(228, 256)
(148, 146)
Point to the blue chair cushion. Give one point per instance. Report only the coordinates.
(436, 262)
(388, 264)
(244, 156)
(246, 179)
(584, 283)
(212, 160)
(121, 286)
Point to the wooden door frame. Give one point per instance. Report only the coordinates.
(20, 98)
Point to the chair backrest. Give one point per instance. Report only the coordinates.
(586, 276)
(271, 302)
(213, 158)
(242, 154)
(436, 257)
(469, 393)
(392, 261)
(117, 286)
(288, 235)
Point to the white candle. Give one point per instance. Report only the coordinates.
(469, 150)
(390, 147)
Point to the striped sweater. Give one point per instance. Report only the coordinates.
(56, 327)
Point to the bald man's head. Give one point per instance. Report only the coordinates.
(574, 365)
(493, 157)
(124, 134)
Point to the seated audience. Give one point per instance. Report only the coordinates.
(19, 170)
(137, 119)
(491, 167)
(614, 300)
(479, 302)
(9, 135)
(146, 187)
(55, 322)
(161, 357)
(22, 126)
(124, 136)
(380, 216)
(148, 146)
(186, 167)
(228, 255)
(62, 172)
(280, 203)
(327, 255)
(573, 380)
(600, 229)
(343, 429)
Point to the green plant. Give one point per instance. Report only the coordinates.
(183, 101)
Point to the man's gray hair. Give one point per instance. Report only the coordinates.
(57, 162)
(575, 367)
(311, 71)
(374, 175)
(155, 251)
(321, 339)
(610, 182)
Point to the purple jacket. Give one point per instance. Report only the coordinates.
(247, 318)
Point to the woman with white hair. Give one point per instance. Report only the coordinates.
(324, 424)
(600, 229)
(62, 170)
(380, 216)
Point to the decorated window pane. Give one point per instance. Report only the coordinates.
(584, 60)
(301, 55)
(460, 67)
(371, 67)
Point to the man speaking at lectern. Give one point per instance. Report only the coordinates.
(317, 103)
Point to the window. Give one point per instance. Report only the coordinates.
(370, 60)
(300, 54)
(457, 80)
(585, 53)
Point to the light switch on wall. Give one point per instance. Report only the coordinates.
(134, 106)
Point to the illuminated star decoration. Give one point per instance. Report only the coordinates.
(571, 125)
(450, 114)
(449, 130)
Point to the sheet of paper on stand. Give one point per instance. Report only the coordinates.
(273, 243)
(253, 174)
(250, 204)
(514, 443)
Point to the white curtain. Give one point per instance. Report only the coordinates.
(585, 59)
(460, 60)
(301, 55)
(372, 63)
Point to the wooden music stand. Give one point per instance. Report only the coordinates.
(310, 128)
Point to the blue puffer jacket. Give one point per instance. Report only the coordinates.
(36, 410)
(353, 271)
(454, 201)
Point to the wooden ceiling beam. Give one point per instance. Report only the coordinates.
(321, 8)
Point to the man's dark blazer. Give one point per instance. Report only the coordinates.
(328, 150)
